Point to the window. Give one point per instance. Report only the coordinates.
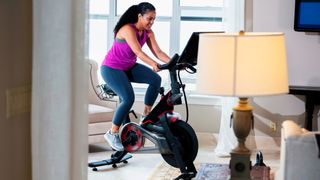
(163, 7)
(176, 20)
(161, 29)
(201, 16)
(99, 7)
(201, 3)
(98, 44)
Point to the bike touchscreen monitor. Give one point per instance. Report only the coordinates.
(190, 52)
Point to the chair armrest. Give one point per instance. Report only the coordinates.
(299, 153)
(96, 94)
(290, 128)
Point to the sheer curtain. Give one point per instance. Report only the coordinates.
(226, 140)
(59, 91)
(234, 22)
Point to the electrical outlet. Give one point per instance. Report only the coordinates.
(273, 126)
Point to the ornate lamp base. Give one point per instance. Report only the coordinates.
(240, 164)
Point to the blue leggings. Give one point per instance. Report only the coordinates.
(120, 82)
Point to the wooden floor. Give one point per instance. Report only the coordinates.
(148, 164)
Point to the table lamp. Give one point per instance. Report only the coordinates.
(242, 65)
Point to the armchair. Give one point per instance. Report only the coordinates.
(299, 156)
(100, 107)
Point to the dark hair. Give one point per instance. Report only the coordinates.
(131, 14)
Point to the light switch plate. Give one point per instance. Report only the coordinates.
(18, 100)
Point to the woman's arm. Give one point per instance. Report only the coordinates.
(127, 33)
(154, 47)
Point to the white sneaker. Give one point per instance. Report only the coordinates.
(114, 140)
(142, 117)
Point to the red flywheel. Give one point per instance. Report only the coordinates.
(131, 137)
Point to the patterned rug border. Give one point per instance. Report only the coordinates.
(164, 171)
(206, 171)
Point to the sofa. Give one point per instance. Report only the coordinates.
(299, 156)
(101, 106)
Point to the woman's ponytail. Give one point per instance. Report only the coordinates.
(131, 15)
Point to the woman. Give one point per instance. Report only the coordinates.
(120, 68)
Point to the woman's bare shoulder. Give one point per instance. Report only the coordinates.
(150, 33)
(125, 30)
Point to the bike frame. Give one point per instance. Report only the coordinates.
(156, 127)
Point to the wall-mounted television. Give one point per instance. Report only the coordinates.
(307, 15)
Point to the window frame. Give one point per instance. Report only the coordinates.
(232, 19)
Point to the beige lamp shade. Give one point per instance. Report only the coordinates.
(242, 65)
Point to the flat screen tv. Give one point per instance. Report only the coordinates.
(307, 15)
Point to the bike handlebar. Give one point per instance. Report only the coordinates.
(174, 65)
(171, 64)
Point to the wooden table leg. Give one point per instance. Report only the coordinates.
(309, 113)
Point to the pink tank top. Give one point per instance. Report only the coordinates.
(121, 56)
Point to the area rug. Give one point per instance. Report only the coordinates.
(206, 171)
(211, 171)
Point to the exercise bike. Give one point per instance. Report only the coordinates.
(174, 138)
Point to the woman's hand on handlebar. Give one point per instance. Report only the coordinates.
(155, 67)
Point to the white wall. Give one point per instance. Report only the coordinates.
(303, 57)
(302, 48)
(15, 73)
